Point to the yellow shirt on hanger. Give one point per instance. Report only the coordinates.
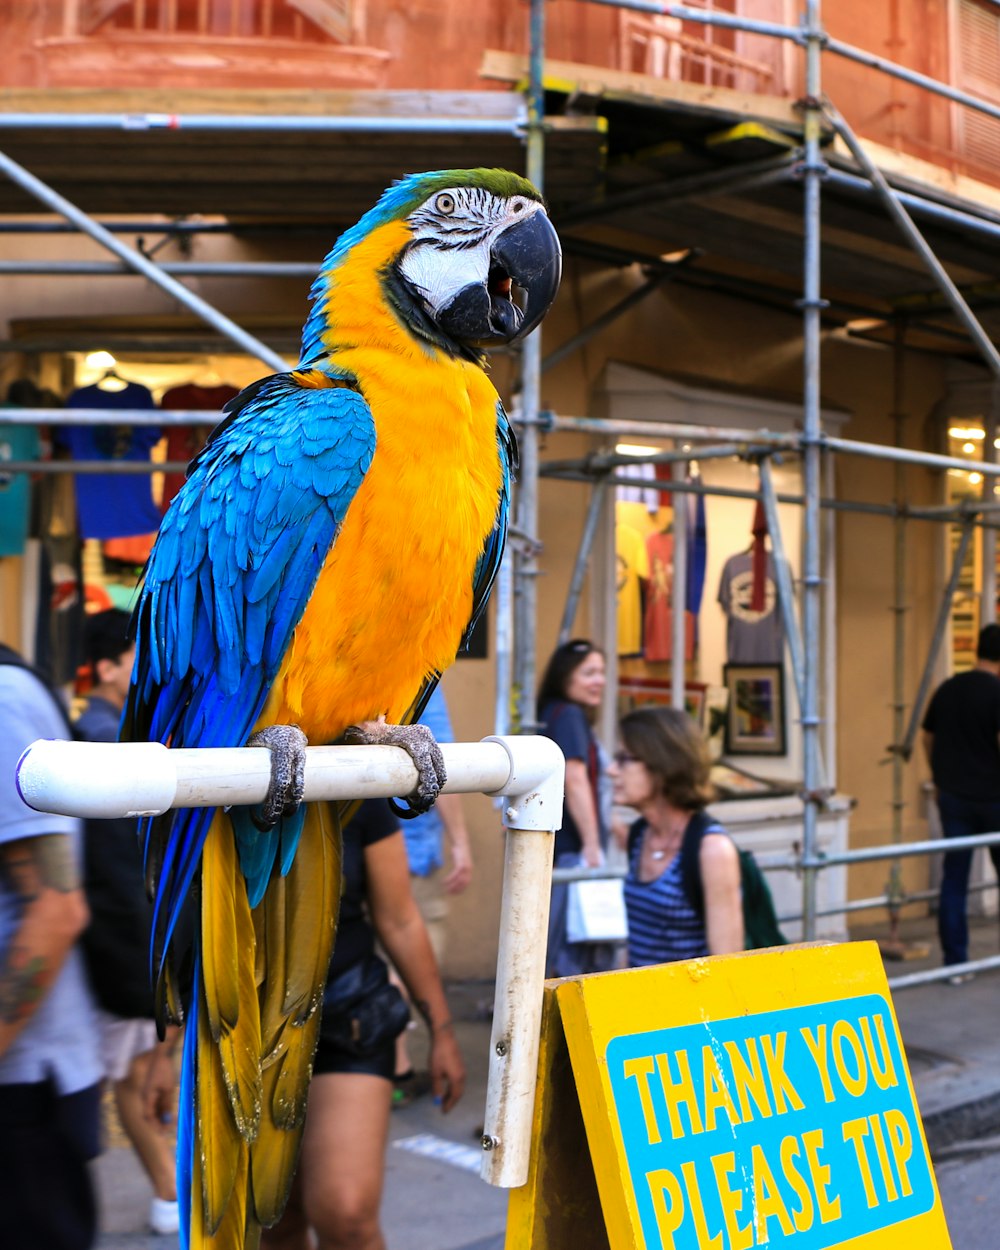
(632, 564)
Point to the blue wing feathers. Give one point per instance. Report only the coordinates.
(229, 577)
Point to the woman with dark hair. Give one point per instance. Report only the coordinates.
(568, 700)
(679, 905)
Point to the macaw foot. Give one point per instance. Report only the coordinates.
(287, 744)
(419, 744)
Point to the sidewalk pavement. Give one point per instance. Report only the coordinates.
(434, 1199)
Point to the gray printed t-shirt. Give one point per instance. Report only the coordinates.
(752, 636)
(60, 1039)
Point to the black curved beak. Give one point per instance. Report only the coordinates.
(526, 262)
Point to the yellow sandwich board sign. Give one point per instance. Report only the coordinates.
(735, 1102)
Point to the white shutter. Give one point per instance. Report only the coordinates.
(342, 19)
(978, 61)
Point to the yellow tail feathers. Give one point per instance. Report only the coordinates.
(263, 975)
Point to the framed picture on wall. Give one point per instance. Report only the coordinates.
(636, 692)
(755, 716)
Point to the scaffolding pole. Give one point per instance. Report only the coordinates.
(298, 124)
(135, 260)
(726, 21)
(594, 511)
(783, 578)
(892, 946)
(961, 513)
(906, 744)
(678, 592)
(898, 213)
(526, 561)
(813, 169)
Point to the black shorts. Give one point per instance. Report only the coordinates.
(46, 1191)
(330, 1058)
(362, 1017)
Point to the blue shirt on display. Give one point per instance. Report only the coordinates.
(113, 505)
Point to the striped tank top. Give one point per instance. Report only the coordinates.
(662, 924)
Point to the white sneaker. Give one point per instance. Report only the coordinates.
(163, 1216)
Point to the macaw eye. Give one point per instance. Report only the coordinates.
(445, 203)
(517, 206)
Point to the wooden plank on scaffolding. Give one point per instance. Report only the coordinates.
(574, 78)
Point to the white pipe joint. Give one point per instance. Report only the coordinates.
(534, 789)
(84, 779)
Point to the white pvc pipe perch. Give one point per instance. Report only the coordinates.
(97, 779)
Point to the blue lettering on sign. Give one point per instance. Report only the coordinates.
(792, 1126)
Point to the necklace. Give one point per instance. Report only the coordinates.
(658, 853)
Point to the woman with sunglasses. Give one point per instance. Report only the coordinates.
(662, 771)
(568, 701)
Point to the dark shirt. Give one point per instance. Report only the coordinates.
(116, 943)
(567, 725)
(964, 717)
(373, 821)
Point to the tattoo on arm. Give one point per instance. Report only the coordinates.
(21, 987)
(31, 865)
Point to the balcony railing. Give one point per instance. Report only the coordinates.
(293, 20)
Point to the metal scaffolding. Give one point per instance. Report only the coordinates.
(805, 644)
(516, 605)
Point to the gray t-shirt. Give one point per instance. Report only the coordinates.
(752, 636)
(60, 1039)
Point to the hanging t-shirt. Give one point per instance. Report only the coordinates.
(657, 637)
(632, 569)
(697, 532)
(752, 637)
(17, 442)
(185, 441)
(113, 505)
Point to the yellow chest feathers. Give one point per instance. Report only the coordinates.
(395, 594)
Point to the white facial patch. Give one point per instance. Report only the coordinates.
(453, 233)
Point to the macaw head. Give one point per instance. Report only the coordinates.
(474, 260)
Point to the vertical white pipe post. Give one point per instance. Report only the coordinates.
(517, 1007)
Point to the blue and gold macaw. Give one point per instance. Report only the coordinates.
(331, 549)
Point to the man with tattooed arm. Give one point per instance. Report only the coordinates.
(49, 1068)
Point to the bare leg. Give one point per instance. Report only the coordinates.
(291, 1232)
(339, 1186)
(152, 1142)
